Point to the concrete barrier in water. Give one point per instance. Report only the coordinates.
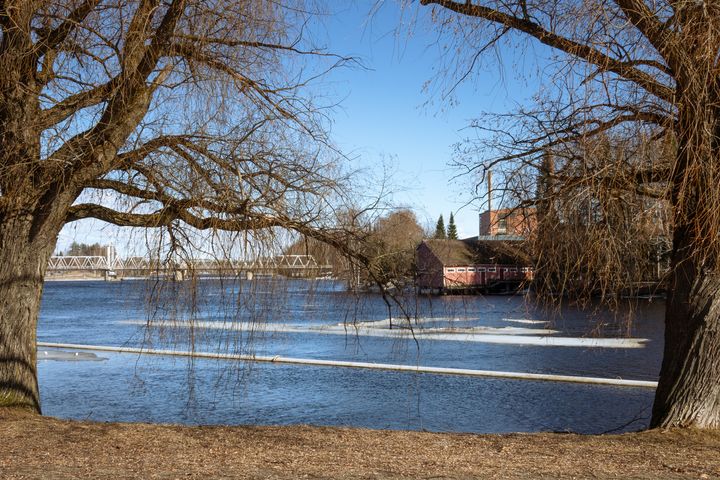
(619, 382)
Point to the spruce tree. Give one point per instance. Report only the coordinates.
(452, 229)
(440, 228)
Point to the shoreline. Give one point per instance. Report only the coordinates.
(45, 447)
(75, 279)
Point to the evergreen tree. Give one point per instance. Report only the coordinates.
(440, 228)
(452, 229)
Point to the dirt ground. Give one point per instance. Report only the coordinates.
(35, 447)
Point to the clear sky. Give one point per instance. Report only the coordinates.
(387, 114)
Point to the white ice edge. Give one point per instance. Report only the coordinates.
(506, 336)
(413, 321)
(526, 321)
(61, 355)
(365, 365)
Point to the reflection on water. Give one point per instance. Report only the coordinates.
(293, 319)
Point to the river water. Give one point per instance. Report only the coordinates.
(319, 320)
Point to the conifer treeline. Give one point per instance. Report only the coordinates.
(442, 233)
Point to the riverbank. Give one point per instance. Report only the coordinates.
(41, 447)
(80, 277)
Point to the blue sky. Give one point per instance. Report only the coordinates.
(386, 116)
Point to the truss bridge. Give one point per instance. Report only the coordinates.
(112, 266)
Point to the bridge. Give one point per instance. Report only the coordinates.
(112, 266)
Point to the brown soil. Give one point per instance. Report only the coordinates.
(42, 447)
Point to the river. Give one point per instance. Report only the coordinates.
(319, 320)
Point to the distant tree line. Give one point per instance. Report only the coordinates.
(85, 250)
(389, 241)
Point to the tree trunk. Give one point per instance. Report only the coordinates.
(688, 393)
(23, 261)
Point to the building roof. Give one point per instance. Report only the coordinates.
(471, 251)
(451, 252)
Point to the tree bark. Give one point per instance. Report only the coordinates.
(688, 393)
(23, 261)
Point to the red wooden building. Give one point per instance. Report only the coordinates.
(445, 266)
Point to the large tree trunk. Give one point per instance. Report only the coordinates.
(23, 261)
(688, 393)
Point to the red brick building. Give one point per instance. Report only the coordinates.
(470, 265)
(510, 222)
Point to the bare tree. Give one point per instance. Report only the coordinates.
(387, 243)
(168, 114)
(392, 242)
(626, 68)
(599, 236)
(343, 266)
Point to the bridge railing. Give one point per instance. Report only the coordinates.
(278, 262)
(79, 263)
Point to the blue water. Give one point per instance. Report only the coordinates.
(128, 387)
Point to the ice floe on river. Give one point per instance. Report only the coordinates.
(381, 328)
(66, 356)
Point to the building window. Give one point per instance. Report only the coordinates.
(471, 269)
(481, 269)
(460, 269)
(513, 269)
(450, 269)
(492, 269)
(502, 226)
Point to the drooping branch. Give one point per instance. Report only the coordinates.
(169, 201)
(586, 52)
(339, 238)
(584, 128)
(658, 34)
(166, 216)
(245, 84)
(292, 47)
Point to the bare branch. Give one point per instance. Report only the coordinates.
(571, 47)
(661, 37)
(53, 38)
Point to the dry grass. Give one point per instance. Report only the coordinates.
(41, 447)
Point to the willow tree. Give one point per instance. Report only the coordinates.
(627, 68)
(600, 236)
(166, 114)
